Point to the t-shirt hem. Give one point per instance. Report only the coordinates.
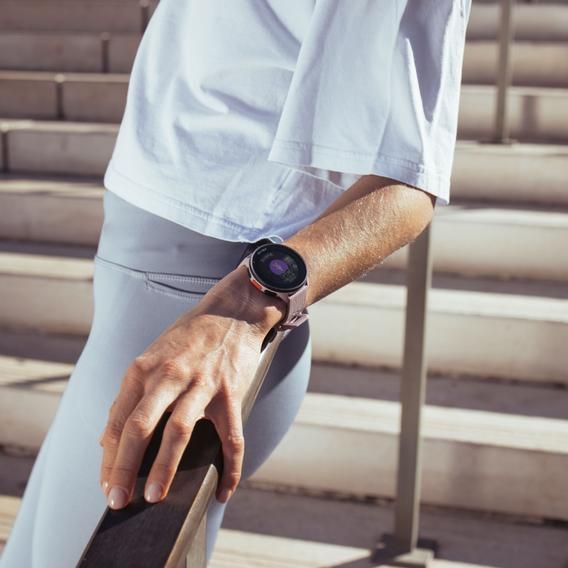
(177, 211)
(295, 153)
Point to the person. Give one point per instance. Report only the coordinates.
(327, 126)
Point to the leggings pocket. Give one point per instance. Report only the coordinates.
(186, 286)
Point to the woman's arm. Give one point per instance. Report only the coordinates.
(369, 221)
(201, 366)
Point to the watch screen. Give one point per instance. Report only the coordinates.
(279, 267)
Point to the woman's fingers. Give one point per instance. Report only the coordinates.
(225, 413)
(136, 434)
(177, 433)
(131, 391)
(229, 425)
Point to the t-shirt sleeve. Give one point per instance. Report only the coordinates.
(376, 90)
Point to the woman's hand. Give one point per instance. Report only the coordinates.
(201, 367)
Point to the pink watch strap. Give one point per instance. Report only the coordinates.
(296, 302)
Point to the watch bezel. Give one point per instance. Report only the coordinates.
(260, 250)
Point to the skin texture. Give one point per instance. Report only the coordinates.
(203, 363)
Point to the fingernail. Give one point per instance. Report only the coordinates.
(154, 492)
(225, 495)
(117, 498)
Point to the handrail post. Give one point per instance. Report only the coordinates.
(504, 73)
(401, 548)
(412, 391)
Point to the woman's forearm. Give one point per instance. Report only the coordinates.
(367, 223)
(372, 219)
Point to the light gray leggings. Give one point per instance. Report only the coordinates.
(136, 296)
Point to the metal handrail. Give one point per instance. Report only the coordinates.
(402, 545)
(504, 73)
(412, 392)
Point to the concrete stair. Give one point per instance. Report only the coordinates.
(495, 424)
(530, 173)
(80, 97)
(244, 549)
(542, 22)
(465, 450)
(259, 523)
(70, 51)
(64, 147)
(85, 16)
(464, 335)
(534, 63)
(531, 22)
(470, 239)
(59, 210)
(238, 549)
(536, 113)
(543, 64)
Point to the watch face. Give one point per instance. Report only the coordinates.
(279, 267)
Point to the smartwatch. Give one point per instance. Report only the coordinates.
(279, 271)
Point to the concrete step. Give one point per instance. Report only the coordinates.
(445, 280)
(535, 113)
(444, 389)
(481, 334)
(60, 52)
(240, 549)
(68, 285)
(531, 22)
(59, 210)
(379, 275)
(543, 64)
(478, 539)
(69, 148)
(472, 459)
(543, 22)
(461, 537)
(530, 173)
(475, 239)
(470, 240)
(472, 333)
(76, 15)
(50, 359)
(80, 97)
(516, 173)
(472, 393)
(534, 63)
(33, 362)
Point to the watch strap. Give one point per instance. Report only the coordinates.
(296, 305)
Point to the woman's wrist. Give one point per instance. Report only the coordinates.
(241, 299)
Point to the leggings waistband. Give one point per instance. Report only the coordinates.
(145, 241)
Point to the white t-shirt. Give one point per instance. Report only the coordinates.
(248, 118)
